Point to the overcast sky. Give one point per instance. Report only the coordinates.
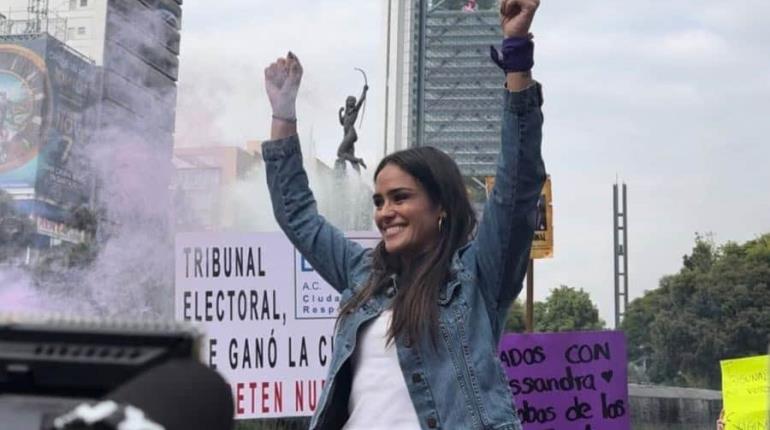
(671, 97)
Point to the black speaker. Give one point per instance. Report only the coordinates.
(48, 364)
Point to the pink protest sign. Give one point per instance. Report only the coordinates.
(571, 380)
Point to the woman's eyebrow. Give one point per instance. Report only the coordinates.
(398, 190)
(393, 191)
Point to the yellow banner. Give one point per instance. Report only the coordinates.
(542, 242)
(745, 392)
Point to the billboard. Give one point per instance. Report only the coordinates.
(268, 317)
(58, 230)
(25, 111)
(46, 94)
(63, 173)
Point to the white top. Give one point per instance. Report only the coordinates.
(379, 399)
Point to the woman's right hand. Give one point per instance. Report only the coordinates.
(282, 79)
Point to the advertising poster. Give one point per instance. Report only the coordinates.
(46, 92)
(570, 380)
(25, 107)
(268, 317)
(63, 173)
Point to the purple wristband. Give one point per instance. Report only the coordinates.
(517, 54)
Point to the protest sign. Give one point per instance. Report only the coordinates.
(745, 391)
(268, 317)
(570, 380)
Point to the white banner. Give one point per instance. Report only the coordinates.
(268, 317)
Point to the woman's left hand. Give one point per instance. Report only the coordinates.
(516, 16)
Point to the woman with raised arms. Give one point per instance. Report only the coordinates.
(421, 313)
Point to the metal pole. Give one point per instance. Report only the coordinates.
(529, 322)
(625, 252)
(615, 252)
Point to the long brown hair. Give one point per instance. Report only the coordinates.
(415, 306)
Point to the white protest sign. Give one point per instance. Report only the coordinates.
(267, 315)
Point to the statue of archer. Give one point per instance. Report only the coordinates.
(348, 115)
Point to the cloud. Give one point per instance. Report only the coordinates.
(222, 82)
(672, 97)
(695, 45)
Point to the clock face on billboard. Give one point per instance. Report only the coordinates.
(24, 105)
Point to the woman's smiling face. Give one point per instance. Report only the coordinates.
(404, 213)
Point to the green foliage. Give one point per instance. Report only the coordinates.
(16, 229)
(6, 203)
(565, 309)
(52, 262)
(568, 309)
(84, 220)
(716, 307)
(515, 322)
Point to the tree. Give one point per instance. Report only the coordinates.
(85, 220)
(515, 322)
(16, 229)
(568, 309)
(54, 260)
(716, 307)
(565, 309)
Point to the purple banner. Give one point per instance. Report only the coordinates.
(571, 380)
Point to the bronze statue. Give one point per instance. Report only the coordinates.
(347, 150)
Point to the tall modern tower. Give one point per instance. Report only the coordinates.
(444, 91)
(401, 47)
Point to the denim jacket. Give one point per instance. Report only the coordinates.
(458, 383)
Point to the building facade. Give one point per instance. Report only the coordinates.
(140, 63)
(78, 23)
(399, 75)
(444, 91)
(202, 178)
(124, 85)
(219, 188)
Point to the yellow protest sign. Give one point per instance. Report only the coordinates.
(745, 391)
